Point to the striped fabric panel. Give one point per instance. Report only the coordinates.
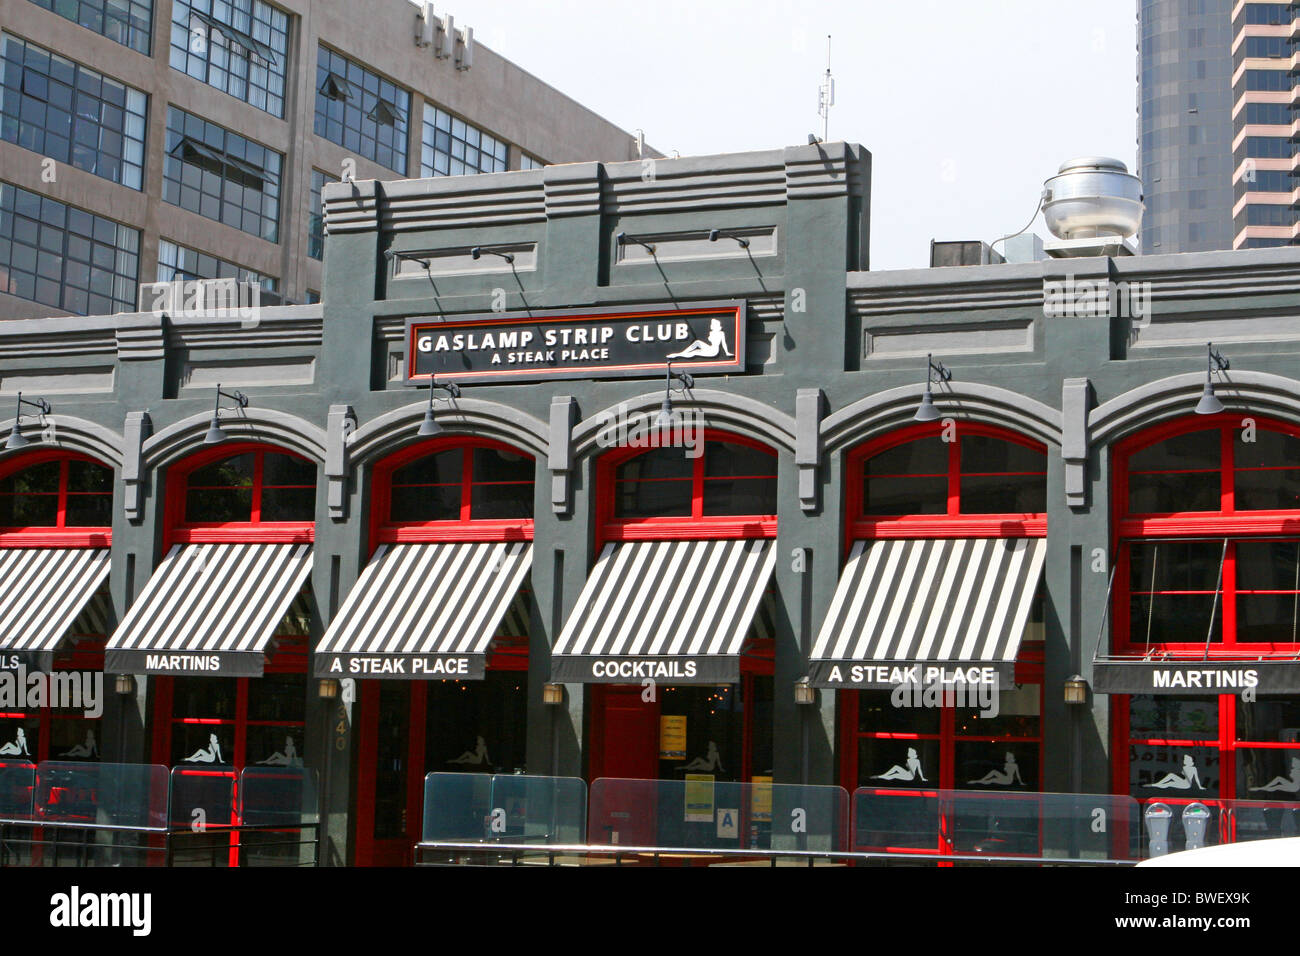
(669, 597)
(96, 616)
(441, 598)
(215, 597)
(961, 599)
(42, 590)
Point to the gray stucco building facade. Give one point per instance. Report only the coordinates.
(1060, 378)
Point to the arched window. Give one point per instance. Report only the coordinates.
(910, 495)
(451, 489)
(454, 516)
(1208, 519)
(56, 493)
(1207, 534)
(954, 479)
(241, 490)
(724, 485)
(710, 493)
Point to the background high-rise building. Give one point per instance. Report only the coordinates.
(1185, 124)
(1215, 123)
(1263, 123)
(150, 140)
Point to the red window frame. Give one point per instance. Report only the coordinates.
(1227, 522)
(59, 535)
(1225, 747)
(698, 525)
(758, 657)
(255, 531)
(382, 530)
(513, 656)
(952, 524)
(88, 656)
(290, 657)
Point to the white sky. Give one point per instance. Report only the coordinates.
(966, 105)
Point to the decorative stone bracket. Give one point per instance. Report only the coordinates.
(138, 427)
(341, 424)
(1076, 403)
(559, 457)
(809, 406)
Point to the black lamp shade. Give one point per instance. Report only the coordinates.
(215, 434)
(926, 412)
(1209, 403)
(429, 427)
(16, 439)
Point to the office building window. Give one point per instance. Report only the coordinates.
(528, 162)
(1268, 181)
(1272, 80)
(452, 147)
(238, 46)
(1267, 46)
(1268, 147)
(1273, 14)
(219, 174)
(1269, 215)
(72, 114)
(128, 22)
(176, 262)
(316, 218)
(65, 257)
(1265, 243)
(361, 111)
(1272, 114)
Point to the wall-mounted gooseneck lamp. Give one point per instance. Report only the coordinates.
(477, 251)
(430, 427)
(926, 412)
(665, 419)
(215, 432)
(715, 233)
(391, 254)
(623, 239)
(16, 439)
(1209, 403)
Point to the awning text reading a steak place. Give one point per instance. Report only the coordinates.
(425, 611)
(667, 611)
(925, 612)
(209, 609)
(42, 592)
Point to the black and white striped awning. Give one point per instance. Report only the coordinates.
(928, 612)
(42, 592)
(209, 609)
(676, 611)
(425, 611)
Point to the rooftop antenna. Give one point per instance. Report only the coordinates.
(826, 94)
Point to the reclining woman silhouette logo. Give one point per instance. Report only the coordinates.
(911, 772)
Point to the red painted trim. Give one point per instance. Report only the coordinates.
(698, 525)
(954, 524)
(466, 529)
(180, 531)
(1227, 522)
(58, 535)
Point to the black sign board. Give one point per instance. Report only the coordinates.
(403, 666)
(185, 663)
(1196, 677)
(623, 342)
(676, 669)
(886, 675)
